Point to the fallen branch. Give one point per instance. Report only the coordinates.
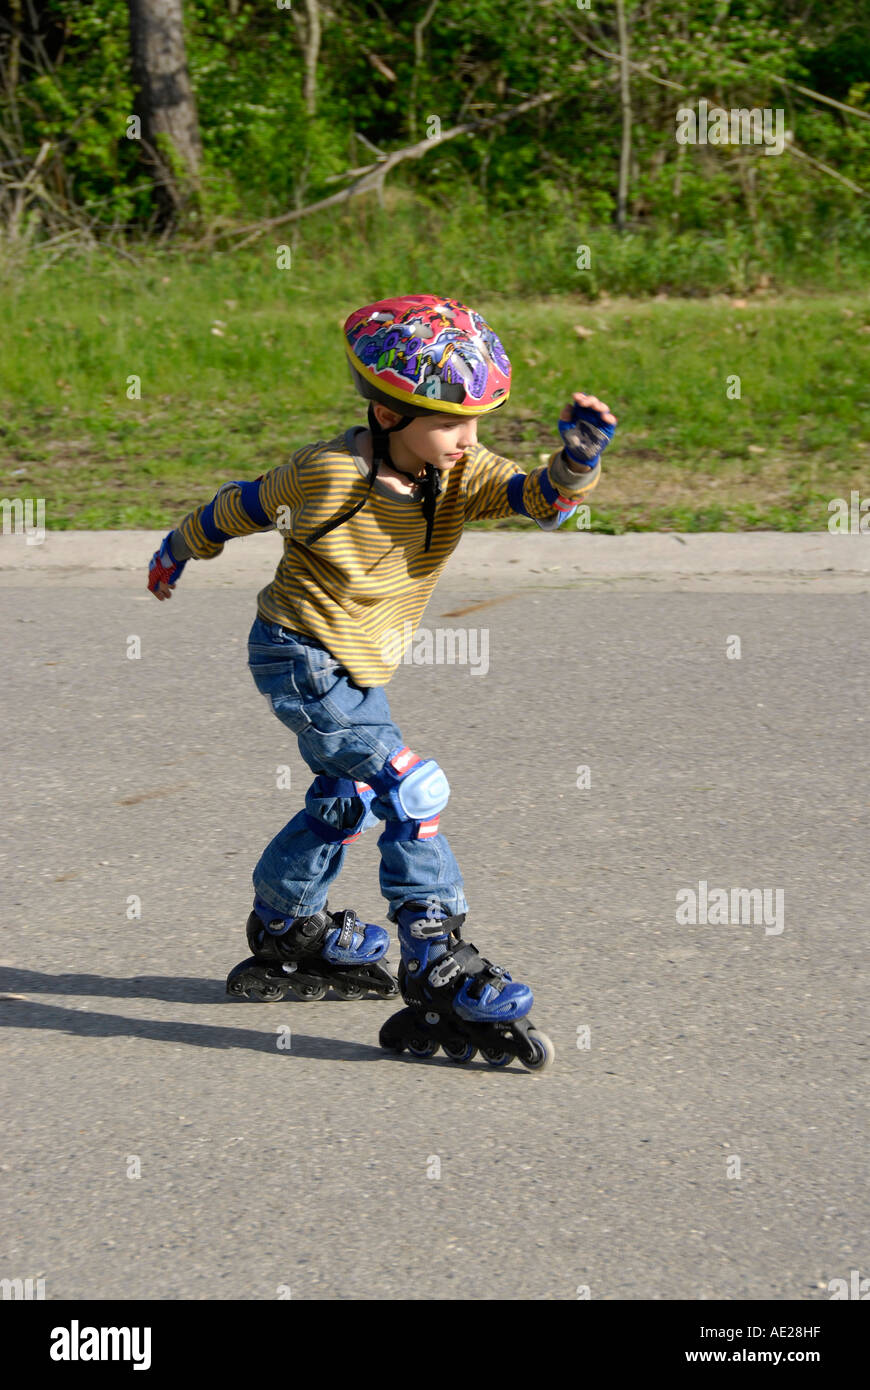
(816, 96)
(826, 169)
(21, 187)
(789, 144)
(642, 68)
(372, 176)
(681, 87)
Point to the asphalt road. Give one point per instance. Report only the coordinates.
(311, 1168)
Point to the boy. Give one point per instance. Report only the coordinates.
(369, 520)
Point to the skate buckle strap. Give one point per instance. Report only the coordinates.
(346, 922)
(493, 977)
(466, 958)
(425, 926)
(426, 931)
(310, 928)
(482, 971)
(444, 971)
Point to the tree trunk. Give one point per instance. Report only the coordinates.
(625, 93)
(312, 50)
(419, 31)
(308, 30)
(165, 104)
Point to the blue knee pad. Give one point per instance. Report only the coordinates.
(340, 786)
(417, 791)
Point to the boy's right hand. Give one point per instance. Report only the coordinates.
(164, 570)
(587, 426)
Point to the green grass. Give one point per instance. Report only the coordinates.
(231, 404)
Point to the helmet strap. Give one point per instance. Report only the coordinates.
(381, 438)
(429, 495)
(381, 453)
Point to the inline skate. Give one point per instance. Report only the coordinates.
(311, 955)
(458, 1000)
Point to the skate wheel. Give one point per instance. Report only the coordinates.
(246, 978)
(496, 1056)
(395, 1031)
(311, 993)
(388, 991)
(422, 1047)
(347, 991)
(545, 1052)
(461, 1052)
(266, 994)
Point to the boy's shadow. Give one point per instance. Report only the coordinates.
(31, 1013)
(175, 989)
(84, 1022)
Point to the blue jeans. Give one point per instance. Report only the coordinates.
(344, 731)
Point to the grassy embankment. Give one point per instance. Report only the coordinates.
(241, 363)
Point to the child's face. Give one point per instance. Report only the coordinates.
(434, 438)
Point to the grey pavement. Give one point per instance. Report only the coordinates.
(832, 561)
(312, 1162)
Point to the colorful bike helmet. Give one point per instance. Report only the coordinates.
(421, 353)
(418, 354)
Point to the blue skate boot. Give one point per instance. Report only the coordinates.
(458, 1000)
(310, 955)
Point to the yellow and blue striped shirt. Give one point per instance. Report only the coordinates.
(357, 587)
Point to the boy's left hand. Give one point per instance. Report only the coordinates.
(164, 571)
(586, 425)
